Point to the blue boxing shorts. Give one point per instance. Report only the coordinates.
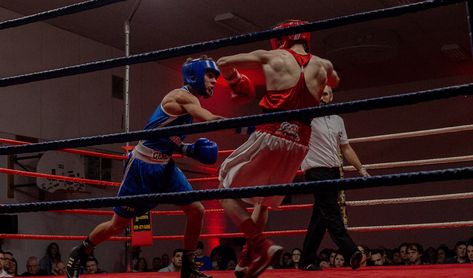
(145, 175)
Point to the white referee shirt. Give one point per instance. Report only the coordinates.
(327, 134)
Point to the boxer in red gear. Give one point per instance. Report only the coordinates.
(273, 154)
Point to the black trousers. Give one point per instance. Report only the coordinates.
(325, 216)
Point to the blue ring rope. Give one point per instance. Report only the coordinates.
(66, 10)
(214, 44)
(307, 113)
(246, 192)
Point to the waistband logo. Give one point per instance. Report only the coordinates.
(288, 130)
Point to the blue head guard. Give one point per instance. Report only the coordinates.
(193, 73)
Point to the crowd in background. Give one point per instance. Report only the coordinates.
(224, 257)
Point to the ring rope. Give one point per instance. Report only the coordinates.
(306, 113)
(374, 166)
(408, 200)
(219, 43)
(402, 227)
(374, 138)
(411, 134)
(66, 10)
(246, 192)
(390, 201)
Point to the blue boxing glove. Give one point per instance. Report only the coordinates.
(245, 130)
(203, 150)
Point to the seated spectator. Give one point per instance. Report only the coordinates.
(285, 260)
(225, 253)
(11, 265)
(165, 260)
(403, 251)
(201, 260)
(92, 266)
(32, 268)
(396, 258)
(443, 254)
(156, 264)
(176, 262)
(365, 252)
(52, 256)
(333, 253)
(296, 258)
(141, 265)
(414, 253)
(59, 269)
(460, 254)
(3, 273)
(469, 252)
(378, 257)
(324, 264)
(339, 260)
(429, 256)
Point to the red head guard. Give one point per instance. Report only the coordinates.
(287, 41)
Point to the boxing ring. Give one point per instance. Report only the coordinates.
(82, 206)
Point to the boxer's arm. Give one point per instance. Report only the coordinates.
(332, 76)
(192, 106)
(227, 64)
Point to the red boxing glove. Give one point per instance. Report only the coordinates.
(242, 87)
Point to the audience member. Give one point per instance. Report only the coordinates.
(3, 273)
(296, 258)
(141, 265)
(92, 266)
(443, 254)
(59, 269)
(165, 260)
(52, 256)
(430, 256)
(202, 261)
(460, 253)
(403, 252)
(469, 252)
(32, 268)
(176, 262)
(378, 257)
(339, 260)
(156, 264)
(396, 258)
(225, 253)
(414, 253)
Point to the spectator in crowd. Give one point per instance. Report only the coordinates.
(414, 253)
(92, 266)
(32, 268)
(285, 260)
(378, 257)
(9, 264)
(403, 252)
(176, 262)
(156, 264)
(333, 253)
(339, 260)
(52, 256)
(202, 261)
(141, 265)
(443, 254)
(165, 260)
(296, 258)
(59, 269)
(430, 256)
(396, 258)
(225, 253)
(3, 273)
(469, 252)
(460, 253)
(365, 252)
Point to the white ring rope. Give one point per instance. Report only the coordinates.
(407, 200)
(422, 226)
(411, 134)
(410, 163)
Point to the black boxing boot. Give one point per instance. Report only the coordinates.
(189, 269)
(78, 254)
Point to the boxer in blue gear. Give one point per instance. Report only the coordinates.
(150, 168)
